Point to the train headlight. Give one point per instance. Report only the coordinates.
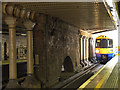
(97, 51)
(110, 51)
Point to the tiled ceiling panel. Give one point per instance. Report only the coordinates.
(89, 16)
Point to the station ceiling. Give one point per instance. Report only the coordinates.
(88, 16)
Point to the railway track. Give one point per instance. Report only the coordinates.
(78, 79)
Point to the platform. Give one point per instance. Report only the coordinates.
(106, 77)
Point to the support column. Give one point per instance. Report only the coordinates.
(30, 81)
(81, 64)
(10, 21)
(84, 50)
(81, 51)
(92, 48)
(87, 50)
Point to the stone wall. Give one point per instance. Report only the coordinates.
(53, 41)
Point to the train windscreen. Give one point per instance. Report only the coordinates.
(104, 43)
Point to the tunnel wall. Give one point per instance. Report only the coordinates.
(53, 41)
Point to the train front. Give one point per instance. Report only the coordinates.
(104, 48)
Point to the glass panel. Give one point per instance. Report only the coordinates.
(110, 45)
(104, 43)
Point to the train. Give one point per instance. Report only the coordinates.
(104, 49)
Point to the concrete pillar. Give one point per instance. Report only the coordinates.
(10, 21)
(90, 48)
(84, 46)
(93, 47)
(80, 50)
(30, 81)
(30, 60)
(86, 49)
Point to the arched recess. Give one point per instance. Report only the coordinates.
(67, 65)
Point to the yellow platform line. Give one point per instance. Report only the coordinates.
(102, 80)
(105, 76)
(17, 61)
(89, 80)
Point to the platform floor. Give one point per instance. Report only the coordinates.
(106, 78)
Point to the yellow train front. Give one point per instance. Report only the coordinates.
(104, 48)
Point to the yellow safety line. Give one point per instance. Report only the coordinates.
(89, 80)
(17, 61)
(102, 80)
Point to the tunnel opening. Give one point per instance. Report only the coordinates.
(68, 65)
(66, 69)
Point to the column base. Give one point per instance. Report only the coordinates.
(89, 60)
(82, 64)
(89, 63)
(13, 84)
(93, 60)
(31, 82)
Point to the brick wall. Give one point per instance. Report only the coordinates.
(54, 40)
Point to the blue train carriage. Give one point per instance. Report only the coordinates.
(104, 48)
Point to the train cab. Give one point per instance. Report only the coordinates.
(104, 48)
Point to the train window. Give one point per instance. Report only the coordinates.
(101, 43)
(104, 43)
(110, 43)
